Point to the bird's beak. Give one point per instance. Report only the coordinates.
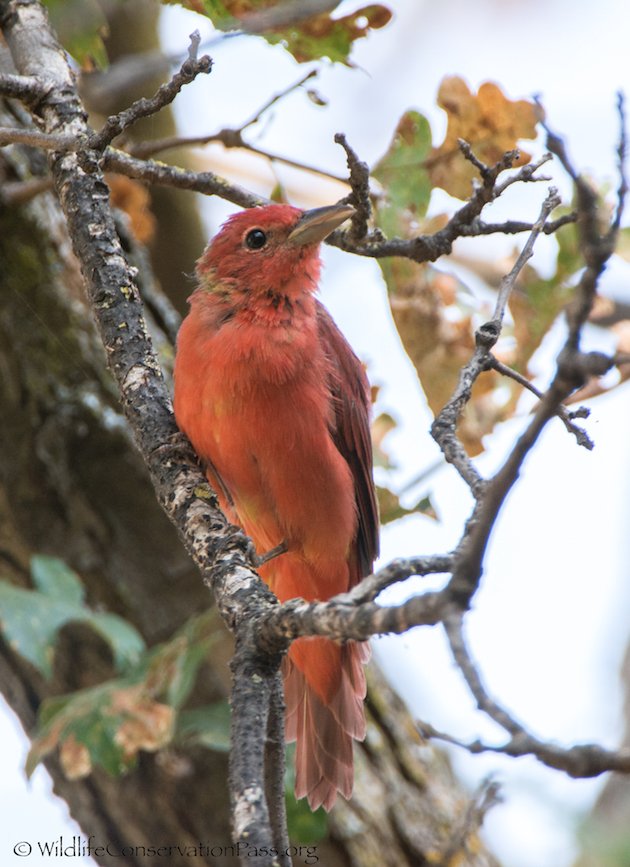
(313, 226)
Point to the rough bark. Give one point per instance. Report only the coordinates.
(179, 235)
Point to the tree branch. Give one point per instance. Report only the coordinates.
(159, 173)
(26, 88)
(428, 248)
(35, 138)
(275, 751)
(166, 93)
(360, 195)
(514, 227)
(564, 414)
(580, 761)
(254, 681)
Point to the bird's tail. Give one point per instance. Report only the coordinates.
(324, 687)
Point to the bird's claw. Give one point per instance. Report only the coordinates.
(261, 559)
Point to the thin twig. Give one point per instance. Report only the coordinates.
(172, 176)
(229, 138)
(35, 138)
(26, 88)
(526, 174)
(453, 627)
(622, 189)
(20, 192)
(166, 93)
(360, 195)
(581, 760)
(507, 283)
(564, 414)
(444, 427)
(398, 570)
(278, 97)
(428, 248)
(515, 227)
(596, 247)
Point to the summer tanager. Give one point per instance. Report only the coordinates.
(276, 404)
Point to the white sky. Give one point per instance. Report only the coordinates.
(549, 625)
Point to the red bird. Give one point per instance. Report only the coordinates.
(276, 404)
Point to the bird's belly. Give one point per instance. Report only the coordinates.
(287, 479)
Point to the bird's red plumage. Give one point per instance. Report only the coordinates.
(276, 405)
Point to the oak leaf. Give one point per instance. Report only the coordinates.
(490, 122)
(320, 35)
(75, 759)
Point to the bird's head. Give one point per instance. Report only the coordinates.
(270, 249)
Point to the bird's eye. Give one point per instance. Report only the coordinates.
(255, 239)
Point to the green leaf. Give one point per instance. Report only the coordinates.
(310, 39)
(81, 26)
(174, 665)
(208, 726)
(403, 175)
(391, 509)
(77, 715)
(324, 36)
(185, 673)
(108, 724)
(54, 578)
(125, 641)
(30, 620)
(96, 729)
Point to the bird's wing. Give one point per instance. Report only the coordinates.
(351, 432)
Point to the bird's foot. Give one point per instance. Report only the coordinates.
(261, 559)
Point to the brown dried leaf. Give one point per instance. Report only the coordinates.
(133, 198)
(381, 426)
(391, 509)
(75, 759)
(438, 346)
(490, 122)
(148, 724)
